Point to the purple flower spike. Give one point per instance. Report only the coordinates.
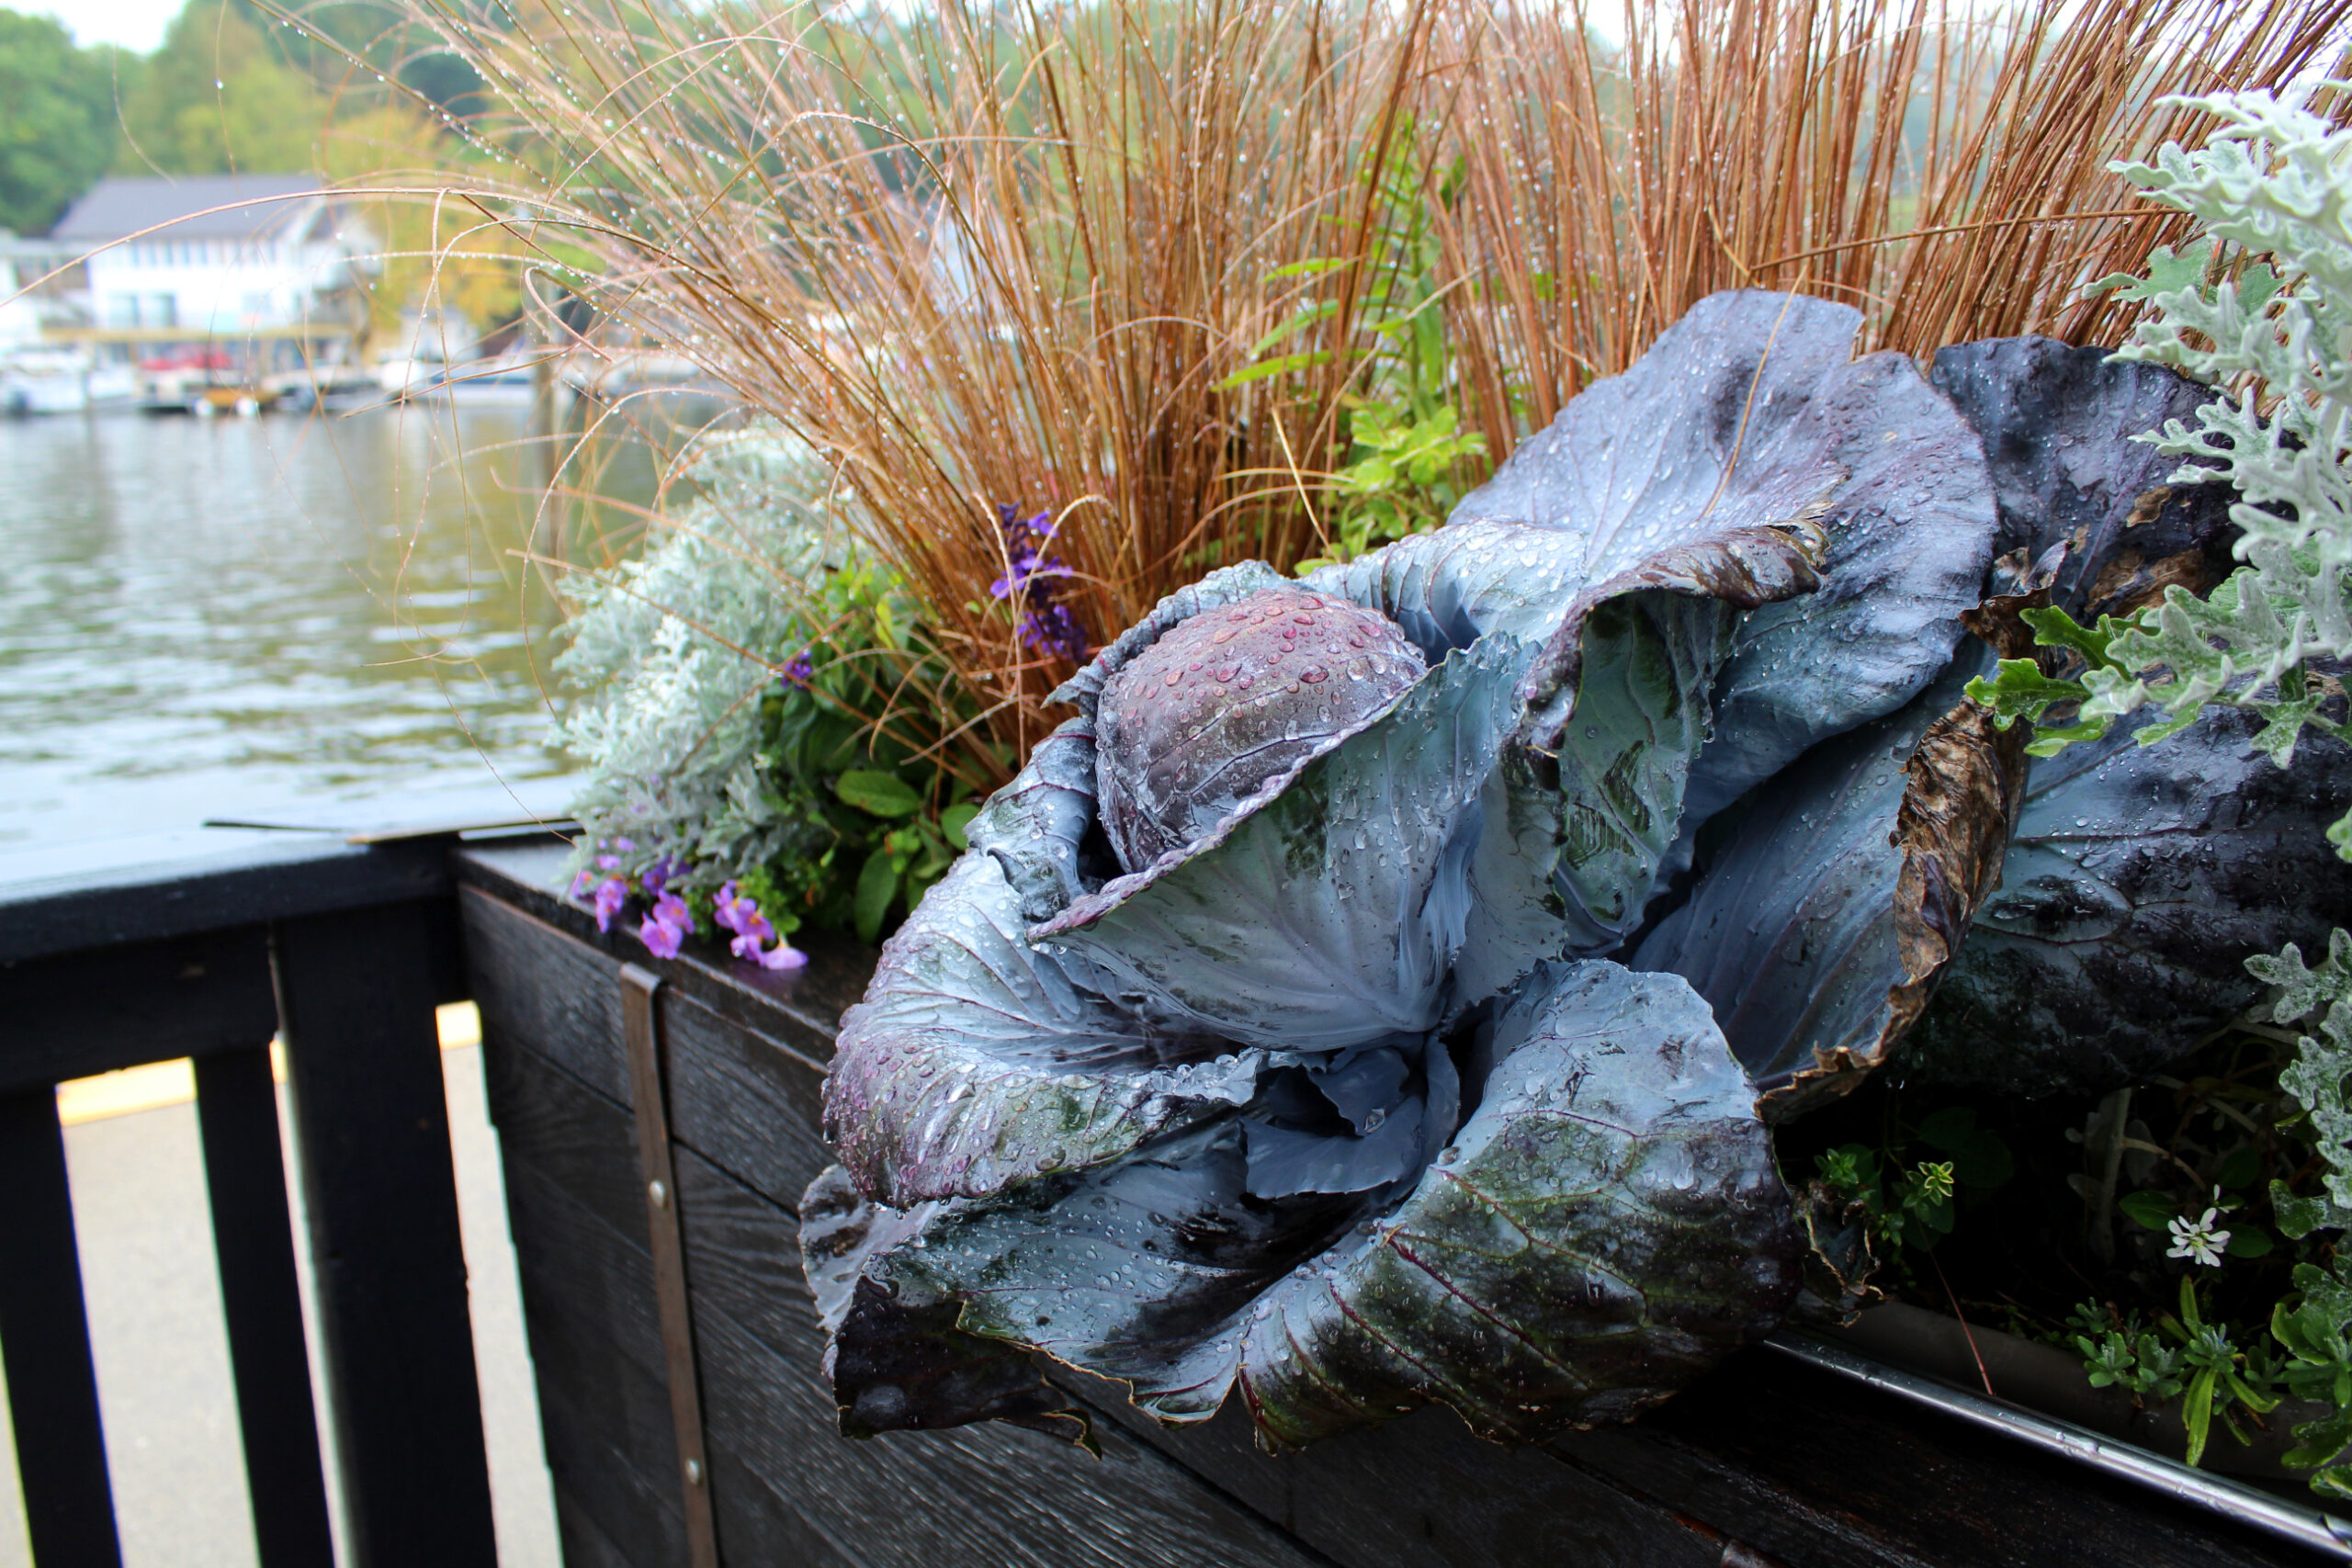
(611, 894)
(659, 937)
(1032, 580)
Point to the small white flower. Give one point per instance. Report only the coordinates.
(2197, 1239)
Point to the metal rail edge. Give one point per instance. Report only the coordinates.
(2305, 1527)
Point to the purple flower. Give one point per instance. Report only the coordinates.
(797, 673)
(666, 926)
(624, 845)
(611, 894)
(661, 937)
(740, 913)
(582, 883)
(1033, 581)
(608, 862)
(658, 876)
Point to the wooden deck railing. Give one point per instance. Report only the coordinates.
(342, 950)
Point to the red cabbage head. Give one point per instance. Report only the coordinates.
(1227, 700)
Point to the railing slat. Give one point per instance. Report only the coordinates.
(45, 1343)
(253, 1236)
(355, 993)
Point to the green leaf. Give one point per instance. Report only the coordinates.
(1281, 365)
(2299, 1217)
(2153, 1209)
(1313, 266)
(2019, 690)
(954, 820)
(2053, 628)
(2239, 1167)
(2247, 1241)
(2051, 740)
(2196, 1413)
(1292, 327)
(879, 794)
(877, 885)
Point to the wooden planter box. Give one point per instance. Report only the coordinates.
(1776, 1458)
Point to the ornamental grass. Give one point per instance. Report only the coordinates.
(1171, 273)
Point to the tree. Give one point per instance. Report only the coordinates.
(220, 97)
(57, 131)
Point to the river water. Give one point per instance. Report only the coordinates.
(308, 619)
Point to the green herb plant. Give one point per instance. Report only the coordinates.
(2201, 1366)
(1911, 1202)
(1408, 458)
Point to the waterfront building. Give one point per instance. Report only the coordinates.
(265, 269)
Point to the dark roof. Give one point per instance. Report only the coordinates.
(115, 208)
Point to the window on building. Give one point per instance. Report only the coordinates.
(162, 310)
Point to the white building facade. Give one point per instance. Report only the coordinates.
(222, 261)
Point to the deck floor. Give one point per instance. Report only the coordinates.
(161, 1350)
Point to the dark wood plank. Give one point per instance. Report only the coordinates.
(1732, 1470)
(45, 1345)
(756, 1527)
(93, 1013)
(942, 1500)
(596, 1345)
(583, 1141)
(355, 1009)
(976, 1495)
(607, 1480)
(581, 1543)
(553, 992)
(767, 1400)
(748, 1101)
(742, 1248)
(284, 879)
(1775, 1452)
(1423, 1490)
(680, 1372)
(253, 1239)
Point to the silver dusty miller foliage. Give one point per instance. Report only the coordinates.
(668, 721)
(2275, 180)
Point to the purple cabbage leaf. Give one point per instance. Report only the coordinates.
(1605, 1224)
(2139, 879)
(1301, 1066)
